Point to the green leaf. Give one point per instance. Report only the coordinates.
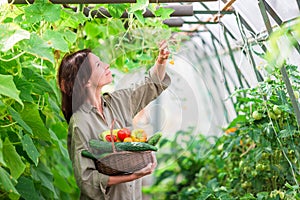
(139, 16)
(42, 11)
(39, 84)
(25, 88)
(43, 174)
(144, 57)
(164, 13)
(36, 46)
(33, 14)
(26, 188)
(139, 5)
(16, 116)
(285, 133)
(71, 18)
(70, 36)
(30, 114)
(10, 35)
(30, 149)
(56, 40)
(7, 184)
(262, 195)
(8, 88)
(1, 153)
(92, 30)
(12, 159)
(61, 182)
(51, 12)
(58, 142)
(115, 26)
(240, 119)
(116, 10)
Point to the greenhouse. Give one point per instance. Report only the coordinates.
(150, 99)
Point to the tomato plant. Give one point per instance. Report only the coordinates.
(256, 158)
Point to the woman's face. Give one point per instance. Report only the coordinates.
(101, 75)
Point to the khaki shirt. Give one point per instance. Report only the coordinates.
(86, 124)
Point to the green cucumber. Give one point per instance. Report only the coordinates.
(88, 154)
(154, 139)
(105, 147)
(135, 146)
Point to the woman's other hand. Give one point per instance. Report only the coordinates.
(148, 169)
(163, 52)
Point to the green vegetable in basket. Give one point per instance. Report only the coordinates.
(102, 146)
(121, 146)
(135, 146)
(87, 154)
(107, 132)
(154, 139)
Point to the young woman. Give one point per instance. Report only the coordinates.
(81, 77)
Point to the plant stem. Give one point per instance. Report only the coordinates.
(8, 125)
(15, 57)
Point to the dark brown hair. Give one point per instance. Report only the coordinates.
(73, 74)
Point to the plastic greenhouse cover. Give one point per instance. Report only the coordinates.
(286, 11)
(250, 11)
(218, 32)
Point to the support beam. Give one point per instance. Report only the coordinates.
(265, 16)
(181, 10)
(298, 3)
(212, 12)
(226, 7)
(174, 22)
(105, 1)
(200, 22)
(178, 1)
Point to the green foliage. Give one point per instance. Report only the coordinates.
(256, 158)
(281, 44)
(34, 161)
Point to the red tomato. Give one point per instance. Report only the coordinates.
(108, 138)
(123, 133)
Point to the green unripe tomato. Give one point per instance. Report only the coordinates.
(265, 155)
(246, 185)
(260, 167)
(276, 110)
(281, 194)
(254, 173)
(272, 115)
(256, 115)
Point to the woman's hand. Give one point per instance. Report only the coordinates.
(163, 52)
(148, 169)
(138, 174)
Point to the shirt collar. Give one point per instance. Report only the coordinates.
(87, 107)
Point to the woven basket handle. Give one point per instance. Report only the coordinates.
(111, 133)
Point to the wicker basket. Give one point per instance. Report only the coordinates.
(125, 162)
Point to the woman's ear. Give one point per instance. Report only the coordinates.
(88, 84)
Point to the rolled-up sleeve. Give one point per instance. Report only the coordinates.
(93, 185)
